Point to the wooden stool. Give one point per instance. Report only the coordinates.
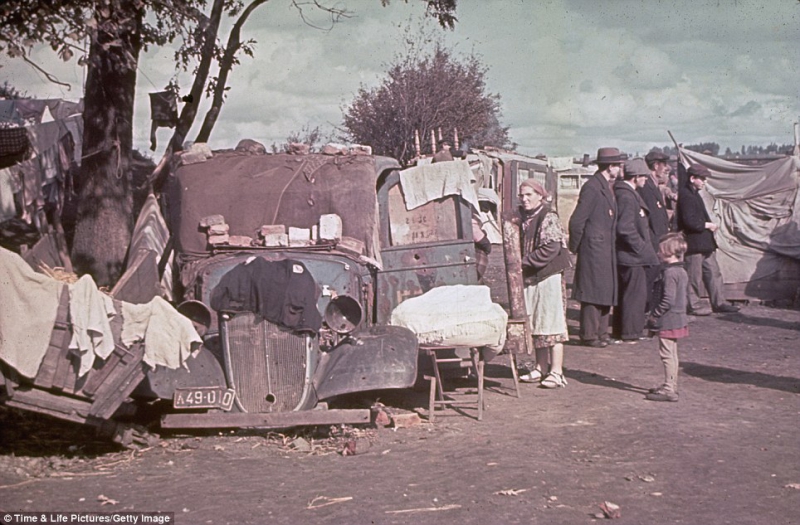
(446, 354)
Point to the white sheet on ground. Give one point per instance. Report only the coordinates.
(458, 315)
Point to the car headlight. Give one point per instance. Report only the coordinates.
(343, 314)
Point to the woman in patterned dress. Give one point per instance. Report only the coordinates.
(544, 259)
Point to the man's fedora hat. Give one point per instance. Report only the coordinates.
(656, 156)
(699, 171)
(609, 156)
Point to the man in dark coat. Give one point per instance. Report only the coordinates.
(658, 218)
(592, 232)
(700, 259)
(635, 253)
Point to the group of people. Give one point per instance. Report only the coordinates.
(633, 256)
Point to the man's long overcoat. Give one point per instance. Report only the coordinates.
(592, 234)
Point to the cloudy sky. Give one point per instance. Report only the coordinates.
(573, 75)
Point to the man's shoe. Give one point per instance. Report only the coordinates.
(699, 312)
(662, 396)
(596, 343)
(726, 309)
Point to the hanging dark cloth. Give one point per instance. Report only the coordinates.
(283, 292)
(164, 113)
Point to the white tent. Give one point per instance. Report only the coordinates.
(756, 207)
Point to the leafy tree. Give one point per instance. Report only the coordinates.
(117, 31)
(711, 148)
(426, 90)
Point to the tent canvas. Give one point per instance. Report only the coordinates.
(759, 235)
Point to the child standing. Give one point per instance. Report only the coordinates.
(668, 317)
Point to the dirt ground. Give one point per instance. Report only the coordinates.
(727, 452)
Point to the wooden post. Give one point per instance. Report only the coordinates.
(440, 133)
(433, 141)
(455, 138)
(519, 332)
(416, 143)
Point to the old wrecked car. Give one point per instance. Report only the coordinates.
(293, 264)
(289, 267)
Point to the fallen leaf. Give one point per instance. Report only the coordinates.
(611, 510)
(105, 500)
(219, 448)
(349, 448)
(647, 478)
(793, 486)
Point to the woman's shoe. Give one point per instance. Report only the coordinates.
(554, 380)
(534, 376)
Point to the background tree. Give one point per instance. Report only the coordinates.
(426, 90)
(117, 31)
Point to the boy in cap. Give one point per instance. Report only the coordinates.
(701, 259)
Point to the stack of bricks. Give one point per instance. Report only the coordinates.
(273, 235)
(217, 229)
(218, 233)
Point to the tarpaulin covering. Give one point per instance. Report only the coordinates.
(255, 190)
(756, 209)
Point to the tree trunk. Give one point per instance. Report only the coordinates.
(103, 228)
(189, 111)
(225, 66)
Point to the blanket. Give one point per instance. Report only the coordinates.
(27, 313)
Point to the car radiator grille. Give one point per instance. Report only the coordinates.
(266, 365)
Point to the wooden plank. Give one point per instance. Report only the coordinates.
(96, 377)
(120, 382)
(59, 406)
(108, 401)
(276, 420)
(64, 367)
(59, 341)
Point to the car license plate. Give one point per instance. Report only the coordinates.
(204, 397)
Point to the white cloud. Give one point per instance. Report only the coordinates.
(573, 74)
